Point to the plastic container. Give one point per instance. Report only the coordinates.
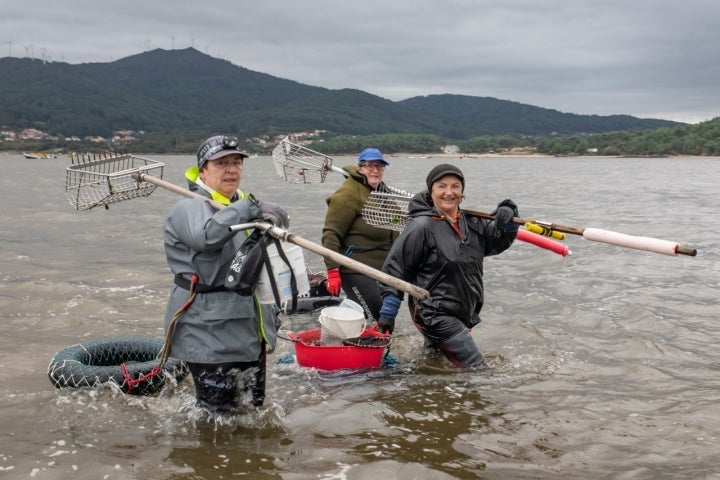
(339, 323)
(282, 273)
(336, 357)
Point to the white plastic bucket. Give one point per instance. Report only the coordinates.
(282, 274)
(339, 323)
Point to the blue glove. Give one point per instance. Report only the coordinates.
(272, 212)
(388, 312)
(504, 214)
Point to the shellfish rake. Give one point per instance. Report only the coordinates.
(390, 211)
(111, 178)
(298, 164)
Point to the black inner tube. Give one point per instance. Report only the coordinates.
(130, 362)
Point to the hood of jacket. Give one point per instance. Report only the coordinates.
(355, 175)
(421, 205)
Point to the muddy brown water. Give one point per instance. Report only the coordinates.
(602, 364)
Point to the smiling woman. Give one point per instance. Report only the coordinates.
(442, 250)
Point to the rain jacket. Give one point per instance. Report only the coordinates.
(346, 232)
(431, 255)
(219, 326)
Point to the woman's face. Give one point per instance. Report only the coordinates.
(373, 171)
(224, 174)
(446, 194)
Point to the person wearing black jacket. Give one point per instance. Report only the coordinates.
(442, 251)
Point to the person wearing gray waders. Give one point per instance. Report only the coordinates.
(442, 251)
(222, 336)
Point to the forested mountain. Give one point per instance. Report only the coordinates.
(498, 117)
(188, 94)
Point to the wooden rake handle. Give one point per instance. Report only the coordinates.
(284, 235)
(348, 262)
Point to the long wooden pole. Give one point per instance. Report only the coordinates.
(284, 235)
(348, 262)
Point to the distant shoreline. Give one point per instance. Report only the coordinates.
(533, 155)
(468, 155)
(451, 156)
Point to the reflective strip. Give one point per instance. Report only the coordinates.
(261, 327)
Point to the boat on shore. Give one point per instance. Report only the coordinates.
(38, 155)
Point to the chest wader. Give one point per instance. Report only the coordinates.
(219, 387)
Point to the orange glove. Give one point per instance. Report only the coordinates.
(334, 283)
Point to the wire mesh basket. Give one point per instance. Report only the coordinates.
(387, 210)
(298, 164)
(109, 178)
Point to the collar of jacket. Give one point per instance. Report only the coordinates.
(357, 176)
(192, 174)
(454, 219)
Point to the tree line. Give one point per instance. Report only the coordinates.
(701, 139)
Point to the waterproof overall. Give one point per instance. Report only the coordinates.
(222, 336)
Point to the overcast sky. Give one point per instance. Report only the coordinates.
(649, 58)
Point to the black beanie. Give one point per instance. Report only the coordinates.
(440, 171)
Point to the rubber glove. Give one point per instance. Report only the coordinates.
(388, 312)
(386, 325)
(504, 214)
(272, 212)
(334, 283)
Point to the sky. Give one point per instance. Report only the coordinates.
(645, 58)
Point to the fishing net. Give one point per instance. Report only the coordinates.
(367, 342)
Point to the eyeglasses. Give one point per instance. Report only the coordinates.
(373, 166)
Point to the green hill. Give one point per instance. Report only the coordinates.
(182, 95)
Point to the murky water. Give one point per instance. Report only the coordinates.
(603, 364)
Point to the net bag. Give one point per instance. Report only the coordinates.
(131, 363)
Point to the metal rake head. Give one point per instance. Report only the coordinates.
(387, 210)
(108, 177)
(298, 164)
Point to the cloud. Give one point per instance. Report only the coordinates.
(655, 59)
